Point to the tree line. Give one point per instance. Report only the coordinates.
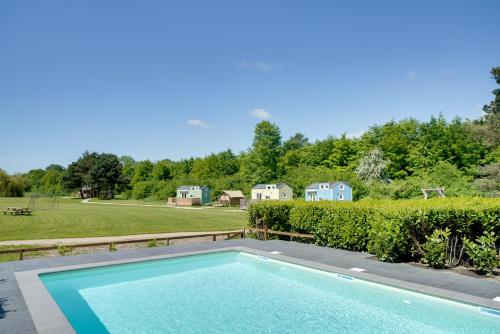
(393, 160)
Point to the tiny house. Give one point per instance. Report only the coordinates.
(275, 191)
(329, 191)
(231, 197)
(193, 195)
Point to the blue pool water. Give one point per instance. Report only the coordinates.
(233, 292)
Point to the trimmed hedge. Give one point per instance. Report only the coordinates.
(393, 230)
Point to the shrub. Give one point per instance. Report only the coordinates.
(483, 253)
(64, 250)
(276, 214)
(393, 230)
(388, 240)
(153, 243)
(435, 248)
(143, 189)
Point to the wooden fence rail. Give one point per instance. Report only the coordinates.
(111, 244)
(267, 231)
(21, 251)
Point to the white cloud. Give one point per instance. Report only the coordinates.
(260, 113)
(411, 75)
(197, 122)
(257, 65)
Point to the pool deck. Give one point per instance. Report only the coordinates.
(26, 306)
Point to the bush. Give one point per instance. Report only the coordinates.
(435, 248)
(64, 250)
(143, 189)
(276, 214)
(483, 253)
(388, 239)
(393, 230)
(333, 225)
(153, 243)
(11, 186)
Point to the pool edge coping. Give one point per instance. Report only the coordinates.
(48, 317)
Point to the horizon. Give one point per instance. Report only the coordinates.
(173, 81)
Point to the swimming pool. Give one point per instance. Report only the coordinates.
(238, 292)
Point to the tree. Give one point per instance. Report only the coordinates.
(33, 179)
(494, 107)
(162, 170)
(10, 186)
(143, 171)
(77, 174)
(372, 167)
(295, 142)
(395, 139)
(344, 152)
(266, 151)
(488, 127)
(51, 182)
(56, 167)
(105, 174)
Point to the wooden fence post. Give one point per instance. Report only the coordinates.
(214, 238)
(265, 232)
(21, 254)
(243, 234)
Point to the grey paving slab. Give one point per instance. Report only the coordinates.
(29, 264)
(17, 322)
(78, 259)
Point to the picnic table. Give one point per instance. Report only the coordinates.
(15, 211)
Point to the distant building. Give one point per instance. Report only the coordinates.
(193, 195)
(329, 191)
(276, 191)
(231, 197)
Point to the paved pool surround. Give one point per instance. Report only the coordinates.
(27, 307)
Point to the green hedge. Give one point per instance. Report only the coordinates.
(393, 230)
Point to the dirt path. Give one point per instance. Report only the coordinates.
(73, 241)
(88, 201)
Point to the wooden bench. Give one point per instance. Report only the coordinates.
(14, 211)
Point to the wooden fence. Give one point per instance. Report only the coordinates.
(21, 251)
(229, 235)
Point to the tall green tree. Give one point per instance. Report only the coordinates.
(295, 142)
(77, 174)
(266, 152)
(488, 127)
(105, 174)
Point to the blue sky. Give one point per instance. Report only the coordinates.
(173, 79)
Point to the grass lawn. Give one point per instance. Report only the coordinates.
(74, 219)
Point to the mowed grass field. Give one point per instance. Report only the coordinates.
(75, 219)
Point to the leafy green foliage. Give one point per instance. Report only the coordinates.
(435, 248)
(266, 152)
(153, 243)
(483, 253)
(393, 230)
(388, 239)
(64, 250)
(10, 186)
